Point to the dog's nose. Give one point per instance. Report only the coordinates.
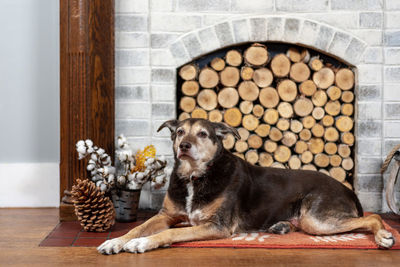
(185, 146)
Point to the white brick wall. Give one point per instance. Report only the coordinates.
(153, 37)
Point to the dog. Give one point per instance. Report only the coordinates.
(219, 194)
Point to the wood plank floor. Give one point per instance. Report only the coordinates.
(21, 230)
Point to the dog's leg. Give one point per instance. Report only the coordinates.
(282, 228)
(165, 238)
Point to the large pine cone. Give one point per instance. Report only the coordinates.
(94, 210)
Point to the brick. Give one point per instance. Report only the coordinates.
(192, 44)
(369, 147)
(369, 92)
(309, 33)
(164, 146)
(325, 36)
(392, 111)
(275, 26)
(392, 92)
(224, 34)
(131, 6)
(369, 129)
(258, 28)
(208, 39)
(179, 53)
(161, 57)
(162, 75)
(204, 5)
(132, 127)
(240, 30)
(131, 23)
(369, 165)
(371, 202)
(389, 145)
(254, 6)
(163, 92)
(291, 29)
(392, 5)
(354, 51)
(139, 92)
(125, 76)
(212, 19)
(138, 143)
(369, 111)
(342, 20)
(392, 20)
(392, 56)
(339, 44)
(131, 40)
(174, 22)
(302, 5)
(129, 110)
(392, 73)
(163, 110)
(392, 38)
(392, 129)
(373, 55)
(369, 183)
(131, 58)
(371, 19)
(372, 37)
(161, 40)
(161, 5)
(369, 73)
(356, 5)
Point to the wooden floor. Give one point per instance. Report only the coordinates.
(21, 230)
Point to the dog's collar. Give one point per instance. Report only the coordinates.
(195, 178)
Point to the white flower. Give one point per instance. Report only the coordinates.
(89, 142)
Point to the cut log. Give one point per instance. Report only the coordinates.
(299, 72)
(263, 77)
(287, 90)
(229, 141)
(283, 124)
(285, 110)
(233, 58)
(208, 78)
(321, 160)
(335, 160)
(229, 76)
(318, 130)
(344, 150)
(296, 126)
(269, 97)
(187, 104)
(305, 134)
(347, 109)
(294, 162)
(308, 122)
(256, 55)
(270, 146)
(246, 107)
(324, 78)
(347, 164)
(300, 147)
(347, 97)
(190, 88)
(347, 138)
(244, 133)
(280, 65)
(248, 90)
(188, 72)
(319, 98)
(262, 130)
(282, 154)
(271, 116)
(228, 97)
(278, 165)
(316, 145)
(199, 113)
(265, 159)
(250, 122)
(215, 115)
(332, 108)
(246, 73)
(255, 141)
(303, 107)
(330, 148)
(306, 157)
(315, 63)
(217, 64)
(207, 99)
(344, 79)
(184, 116)
(275, 134)
(233, 117)
(331, 134)
(239, 155)
(296, 55)
(318, 113)
(289, 139)
(258, 110)
(348, 185)
(307, 88)
(241, 146)
(251, 156)
(334, 93)
(338, 173)
(309, 167)
(344, 124)
(328, 120)
(324, 171)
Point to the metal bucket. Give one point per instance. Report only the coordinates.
(126, 203)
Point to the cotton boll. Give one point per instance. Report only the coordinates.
(150, 160)
(89, 142)
(90, 150)
(162, 158)
(122, 156)
(93, 173)
(80, 143)
(81, 149)
(98, 183)
(131, 177)
(121, 179)
(94, 156)
(100, 170)
(110, 178)
(134, 186)
(103, 187)
(100, 151)
(90, 167)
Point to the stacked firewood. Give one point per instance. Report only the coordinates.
(292, 110)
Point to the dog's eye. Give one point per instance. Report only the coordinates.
(202, 134)
(180, 132)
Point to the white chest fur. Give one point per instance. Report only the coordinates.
(195, 216)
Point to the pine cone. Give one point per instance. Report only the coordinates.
(94, 210)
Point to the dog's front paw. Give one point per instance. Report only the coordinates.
(140, 245)
(384, 239)
(112, 246)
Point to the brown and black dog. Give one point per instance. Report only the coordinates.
(219, 194)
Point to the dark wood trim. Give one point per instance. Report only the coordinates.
(86, 83)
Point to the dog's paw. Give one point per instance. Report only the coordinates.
(140, 245)
(280, 228)
(112, 246)
(384, 239)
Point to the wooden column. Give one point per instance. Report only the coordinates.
(86, 85)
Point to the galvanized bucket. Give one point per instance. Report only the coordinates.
(126, 203)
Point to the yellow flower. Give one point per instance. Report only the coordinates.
(141, 156)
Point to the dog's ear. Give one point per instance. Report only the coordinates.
(222, 129)
(171, 124)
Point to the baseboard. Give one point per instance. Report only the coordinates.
(29, 184)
